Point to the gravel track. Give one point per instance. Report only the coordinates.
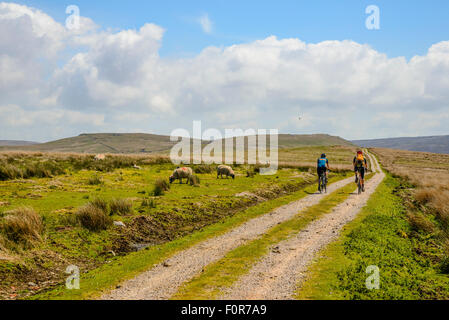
(164, 279)
(276, 275)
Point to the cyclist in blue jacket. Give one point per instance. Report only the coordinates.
(322, 166)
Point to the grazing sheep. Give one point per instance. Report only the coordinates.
(135, 166)
(181, 173)
(225, 170)
(99, 157)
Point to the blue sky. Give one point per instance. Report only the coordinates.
(408, 28)
(156, 66)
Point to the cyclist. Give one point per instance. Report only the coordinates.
(322, 166)
(360, 165)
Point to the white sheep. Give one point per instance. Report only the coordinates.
(225, 170)
(99, 157)
(181, 173)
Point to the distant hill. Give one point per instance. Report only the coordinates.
(4, 143)
(435, 144)
(151, 143)
(302, 140)
(106, 143)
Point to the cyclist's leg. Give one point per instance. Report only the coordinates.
(362, 176)
(318, 173)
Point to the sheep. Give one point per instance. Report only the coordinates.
(99, 157)
(135, 166)
(225, 170)
(181, 173)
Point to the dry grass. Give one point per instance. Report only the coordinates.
(24, 165)
(419, 222)
(195, 181)
(121, 207)
(23, 226)
(100, 204)
(93, 218)
(160, 186)
(428, 172)
(94, 181)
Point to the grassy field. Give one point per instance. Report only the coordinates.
(57, 187)
(426, 198)
(409, 260)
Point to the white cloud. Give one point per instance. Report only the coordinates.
(205, 23)
(118, 81)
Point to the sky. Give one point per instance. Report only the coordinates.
(155, 66)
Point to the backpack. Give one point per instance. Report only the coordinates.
(360, 159)
(322, 163)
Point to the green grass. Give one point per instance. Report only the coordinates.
(380, 236)
(106, 277)
(153, 220)
(238, 262)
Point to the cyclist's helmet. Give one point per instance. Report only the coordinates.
(323, 155)
(359, 152)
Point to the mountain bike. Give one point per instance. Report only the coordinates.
(360, 187)
(322, 182)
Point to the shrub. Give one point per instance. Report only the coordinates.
(23, 225)
(160, 186)
(93, 218)
(9, 172)
(94, 181)
(121, 207)
(425, 195)
(100, 204)
(203, 168)
(148, 203)
(2, 244)
(420, 223)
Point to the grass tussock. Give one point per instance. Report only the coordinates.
(160, 186)
(93, 218)
(195, 181)
(121, 207)
(148, 203)
(204, 168)
(22, 226)
(94, 181)
(420, 223)
(100, 204)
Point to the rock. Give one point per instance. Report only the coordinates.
(166, 264)
(32, 284)
(139, 246)
(119, 224)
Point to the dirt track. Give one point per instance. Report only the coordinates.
(277, 275)
(163, 280)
